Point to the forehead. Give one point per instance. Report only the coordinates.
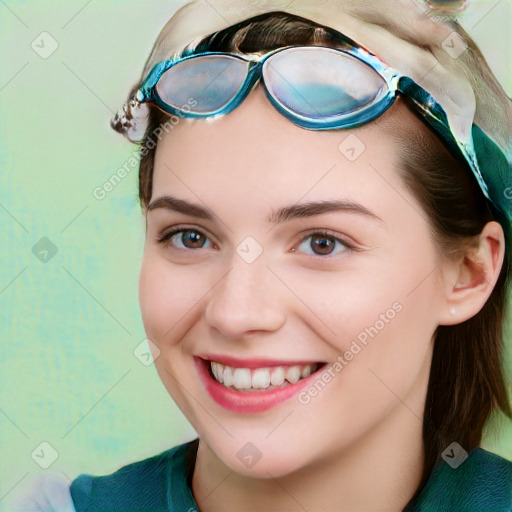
(256, 158)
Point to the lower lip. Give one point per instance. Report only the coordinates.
(248, 401)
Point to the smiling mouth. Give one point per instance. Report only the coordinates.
(259, 379)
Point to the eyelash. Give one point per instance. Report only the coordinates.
(165, 240)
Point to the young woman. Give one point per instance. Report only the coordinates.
(326, 188)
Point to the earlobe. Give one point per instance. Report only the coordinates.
(473, 278)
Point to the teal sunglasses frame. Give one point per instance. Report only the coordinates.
(491, 164)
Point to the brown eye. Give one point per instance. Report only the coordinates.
(323, 244)
(184, 239)
(192, 239)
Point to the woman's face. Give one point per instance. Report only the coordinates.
(257, 284)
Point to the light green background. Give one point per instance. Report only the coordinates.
(69, 326)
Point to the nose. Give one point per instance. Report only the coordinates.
(245, 300)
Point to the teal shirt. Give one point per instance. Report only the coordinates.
(160, 483)
(482, 483)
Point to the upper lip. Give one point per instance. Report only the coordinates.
(254, 362)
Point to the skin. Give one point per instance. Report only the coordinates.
(358, 444)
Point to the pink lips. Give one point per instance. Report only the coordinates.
(248, 401)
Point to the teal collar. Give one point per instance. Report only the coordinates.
(483, 482)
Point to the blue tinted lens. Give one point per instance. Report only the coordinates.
(211, 80)
(322, 83)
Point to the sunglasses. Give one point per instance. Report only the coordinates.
(318, 88)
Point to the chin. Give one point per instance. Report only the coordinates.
(261, 459)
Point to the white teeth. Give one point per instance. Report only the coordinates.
(293, 374)
(228, 376)
(218, 371)
(242, 378)
(307, 370)
(277, 377)
(260, 378)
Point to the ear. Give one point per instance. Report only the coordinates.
(469, 282)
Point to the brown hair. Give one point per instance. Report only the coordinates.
(466, 382)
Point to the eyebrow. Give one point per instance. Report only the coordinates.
(287, 213)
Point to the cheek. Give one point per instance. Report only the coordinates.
(167, 295)
(344, 305)
(380, 317)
